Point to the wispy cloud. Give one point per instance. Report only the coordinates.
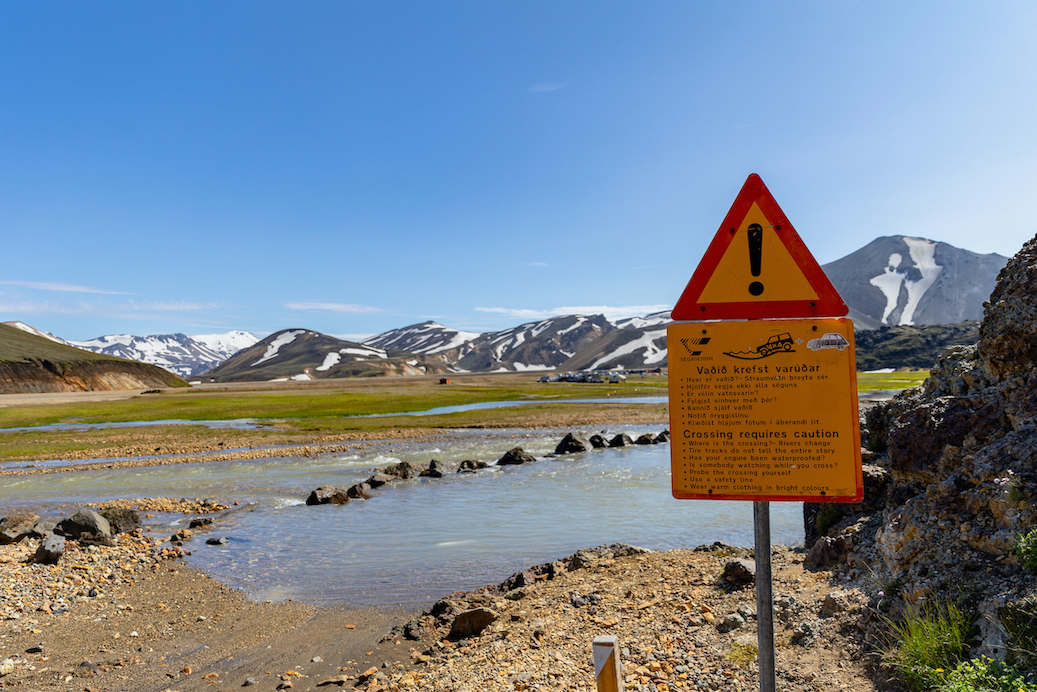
(334, 307)
(609, 311)
(57, 286)
(541, 87)
(174, 306)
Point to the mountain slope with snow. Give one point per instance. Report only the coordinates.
(184, 355)
(900, 280)
(427, 338)
(303, 354)
(542, 345)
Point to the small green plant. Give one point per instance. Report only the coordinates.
(742, 655)
(985, 675)
(1026, 548)
(928, 642)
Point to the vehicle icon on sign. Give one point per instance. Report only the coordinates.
(779, 343)
(829, 340)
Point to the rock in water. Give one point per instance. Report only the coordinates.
(515, 456)
(572, 443)
(328, 495)
(621, 440)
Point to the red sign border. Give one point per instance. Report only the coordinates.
(828, 304)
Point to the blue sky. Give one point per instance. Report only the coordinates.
(352, 167)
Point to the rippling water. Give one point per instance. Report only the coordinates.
(420, 539)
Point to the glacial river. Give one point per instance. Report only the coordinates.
(415, 540)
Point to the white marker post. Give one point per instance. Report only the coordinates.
(607, 668)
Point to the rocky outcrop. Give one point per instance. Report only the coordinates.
(960, 450)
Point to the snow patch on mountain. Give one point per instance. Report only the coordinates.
(275, 346)
(893, 280)
(653, 353)
(330, 360)
(656, 319)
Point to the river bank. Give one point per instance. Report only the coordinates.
(162, 626)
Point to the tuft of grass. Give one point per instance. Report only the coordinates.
(929, 642)
(1026, 548)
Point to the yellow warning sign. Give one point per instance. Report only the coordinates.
(764, 410)
(756, 267)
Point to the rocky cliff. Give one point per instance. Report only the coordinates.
(954, 478)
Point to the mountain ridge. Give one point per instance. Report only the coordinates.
(893, 281)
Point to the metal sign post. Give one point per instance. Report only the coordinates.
(764, 597)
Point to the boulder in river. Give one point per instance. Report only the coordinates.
(328, 495)
(621, 440)
(516, 455)
(435, 469)
(402, 471)
(572, 443)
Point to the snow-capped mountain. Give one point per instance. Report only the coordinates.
(427, 338)
(181, 354)
(228, 343)
(303, 354)
(542, 345)
(899, 280)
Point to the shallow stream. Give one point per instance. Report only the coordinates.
(415, 540)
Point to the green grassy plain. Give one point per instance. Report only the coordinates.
(335, 411)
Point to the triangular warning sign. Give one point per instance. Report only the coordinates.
(757, 267)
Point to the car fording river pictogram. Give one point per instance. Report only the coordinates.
(779, 343)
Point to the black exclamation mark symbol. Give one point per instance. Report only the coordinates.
(755, 256)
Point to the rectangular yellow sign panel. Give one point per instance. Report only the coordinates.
(764, 410)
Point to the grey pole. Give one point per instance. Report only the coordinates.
(764, 599)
